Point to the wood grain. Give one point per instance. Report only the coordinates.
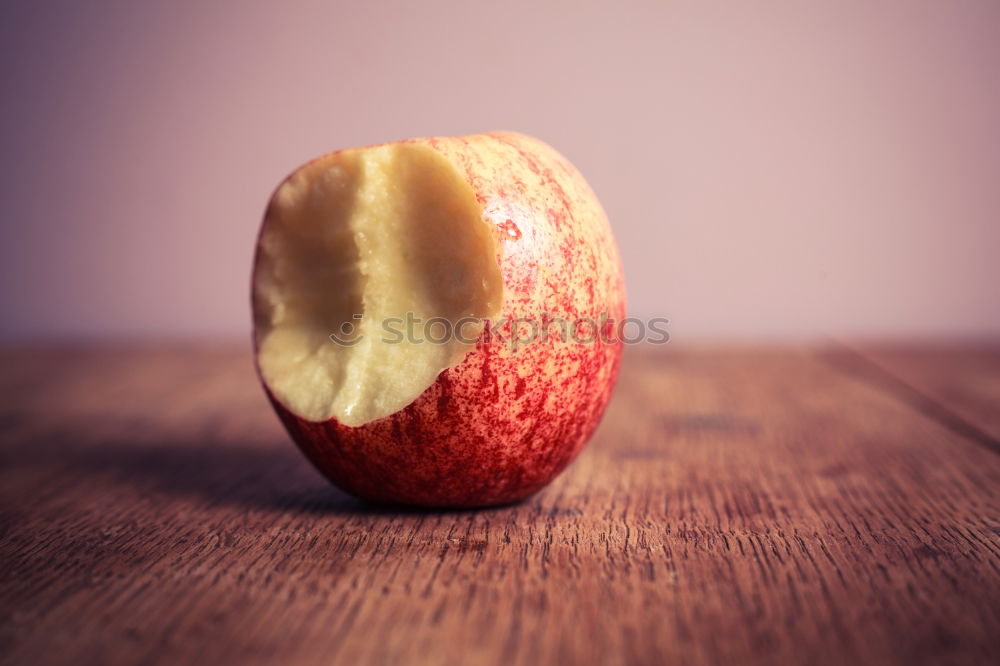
(736, 506)
(963, 381)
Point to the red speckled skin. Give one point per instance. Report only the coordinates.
(502, 424)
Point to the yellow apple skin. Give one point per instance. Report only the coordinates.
(503, 423)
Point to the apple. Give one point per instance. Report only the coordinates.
(434, 319)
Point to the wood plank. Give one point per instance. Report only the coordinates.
(963, 379)
(736, 506)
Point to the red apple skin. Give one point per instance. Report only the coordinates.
(502, 424)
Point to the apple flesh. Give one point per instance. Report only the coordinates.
(418, 309)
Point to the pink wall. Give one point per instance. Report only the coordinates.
(771, 169)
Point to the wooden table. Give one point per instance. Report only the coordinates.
(754, 506)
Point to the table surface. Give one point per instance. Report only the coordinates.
(789, 505)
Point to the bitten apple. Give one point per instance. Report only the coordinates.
(434, 318)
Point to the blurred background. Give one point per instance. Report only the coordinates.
(773, 170)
